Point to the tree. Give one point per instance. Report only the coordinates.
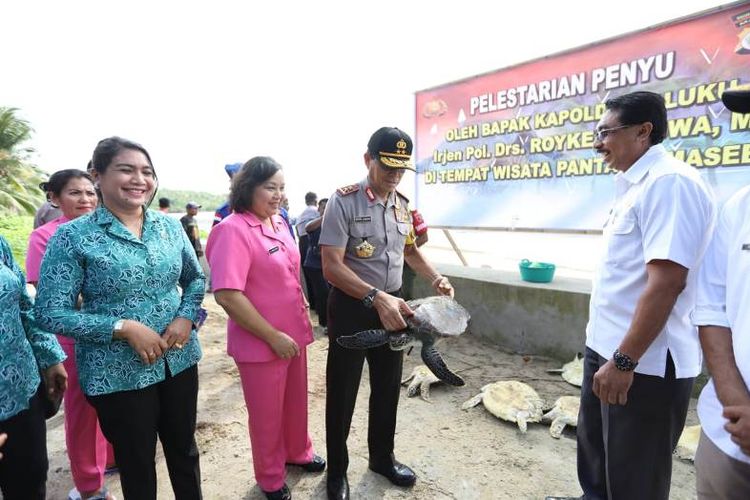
(19, 178)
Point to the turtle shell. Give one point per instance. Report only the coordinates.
(513, 401)
(439, 314)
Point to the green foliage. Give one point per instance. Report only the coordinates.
(179, 199)
(16, 230)
(19, 178)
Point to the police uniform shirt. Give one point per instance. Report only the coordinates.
(373, 233)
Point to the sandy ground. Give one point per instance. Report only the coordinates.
(457, 454)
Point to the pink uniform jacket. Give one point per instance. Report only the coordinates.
(264, 264)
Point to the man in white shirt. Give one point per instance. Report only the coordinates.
(642, 352)
(309, 214)
(722, 313)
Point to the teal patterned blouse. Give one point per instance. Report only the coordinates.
(119, 277)
(24, 347)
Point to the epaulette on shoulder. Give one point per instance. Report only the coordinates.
(352, 188)
(402, 196)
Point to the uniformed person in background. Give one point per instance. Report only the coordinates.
(366, 235)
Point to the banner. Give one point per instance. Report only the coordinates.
(513, 148)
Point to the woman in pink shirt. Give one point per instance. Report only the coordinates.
(255, 268)
(88, 451)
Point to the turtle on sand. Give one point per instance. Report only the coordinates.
(688, 442)
(565, 412)
(434, 318)
(421, 379)
(572, 372)
(510, 400)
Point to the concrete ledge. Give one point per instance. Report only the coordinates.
(529, 318)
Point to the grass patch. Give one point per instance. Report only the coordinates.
(16, 229)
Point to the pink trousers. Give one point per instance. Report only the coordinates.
(276, 398)
(88, 450)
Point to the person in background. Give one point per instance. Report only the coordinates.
(722, 461)
(255, 268)
(88, 451)
(314, 267)
(137, 348)
(365, 237)
(164, 205)
(642, 353)
(309, 213)
(190, 224)
(284, 213)
(25, 349)
(420, 231)
(225, 209)
(45, 213)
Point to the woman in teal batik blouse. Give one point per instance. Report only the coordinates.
(24, 350)
(136, 345)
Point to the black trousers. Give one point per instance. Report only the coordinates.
(625, 452)
(347, 315)
(320, 293)
(304, 244)
(131, 421)
(23, 468)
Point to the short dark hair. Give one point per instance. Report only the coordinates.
(311, 198)
(108, 148)
(57, 181)
(164, 203)
(641, 107)
(253, 173)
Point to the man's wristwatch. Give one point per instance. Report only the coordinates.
(623, 362)
(119, 325)
(369, 299)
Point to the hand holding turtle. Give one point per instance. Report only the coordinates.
(177, 333)
(284, 346)
(442, 286)
(392, 311)
(145, 342)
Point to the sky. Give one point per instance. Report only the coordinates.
(202, 84)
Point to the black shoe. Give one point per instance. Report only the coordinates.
(317, 464)
(397, 473)
(280, 494)
(338, 488)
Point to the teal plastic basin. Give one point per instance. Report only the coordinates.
(536, 272)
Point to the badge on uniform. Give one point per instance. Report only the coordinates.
(363, 218)
(273, 250)
(364, 250)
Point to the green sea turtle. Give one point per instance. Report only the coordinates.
(421, 379)
(572, 372)
(510, 400)
(565, 412)
(434, 318)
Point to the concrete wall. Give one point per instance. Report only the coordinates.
(529, 318)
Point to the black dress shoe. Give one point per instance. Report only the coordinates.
(317, 464)
(396, 472)
(338, 488)
(281, 494)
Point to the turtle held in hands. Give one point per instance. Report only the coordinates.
(434, 318)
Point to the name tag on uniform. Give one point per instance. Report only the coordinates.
(273, 250)
(363, 218)
(746, 246)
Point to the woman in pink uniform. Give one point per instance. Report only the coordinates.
(88, 451)
(255, 268)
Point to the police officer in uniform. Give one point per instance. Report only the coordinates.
(366, 235)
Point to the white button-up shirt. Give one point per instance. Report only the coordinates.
(723, 300)
(662, 211)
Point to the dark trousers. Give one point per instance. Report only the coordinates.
(304, 244)
(131, 421)
(625, 452)
(320, 293)
(347, 315)
(23, 468)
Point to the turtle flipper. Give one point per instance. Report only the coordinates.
(364, 339)
(435, 363)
